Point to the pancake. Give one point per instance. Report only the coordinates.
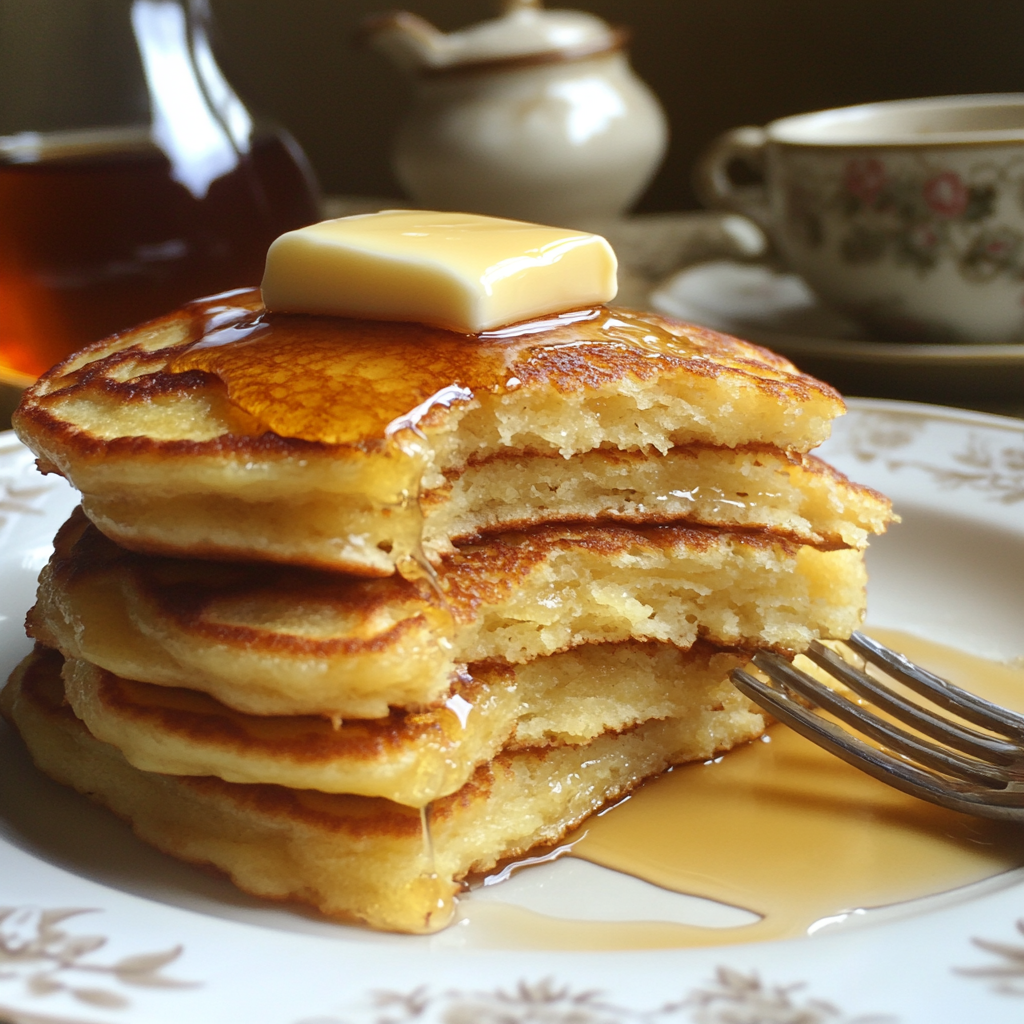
(413, 759)
(272, 640)
(754, 487)
(351, 857)
(222, 431)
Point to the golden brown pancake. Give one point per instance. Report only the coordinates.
(221, 431)
(352, 857)
(606, 498)
(572, 697)
(273, 640)
(753, 487)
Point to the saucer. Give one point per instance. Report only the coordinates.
(776, 309)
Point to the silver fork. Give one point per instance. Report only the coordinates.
(980, 773)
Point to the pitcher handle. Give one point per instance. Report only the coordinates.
(716, 188)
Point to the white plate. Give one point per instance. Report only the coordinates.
(179, 945)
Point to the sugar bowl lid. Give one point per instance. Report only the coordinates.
(525, 33)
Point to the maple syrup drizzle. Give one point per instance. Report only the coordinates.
(443, 902)
(360, 382)
(783, 829)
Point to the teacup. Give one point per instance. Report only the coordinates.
(907, 215)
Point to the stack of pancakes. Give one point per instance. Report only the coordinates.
(353, 610)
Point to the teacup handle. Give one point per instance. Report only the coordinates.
(716, 189)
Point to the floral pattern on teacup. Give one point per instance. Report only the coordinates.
(915, 213)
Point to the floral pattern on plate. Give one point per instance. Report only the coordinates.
(41, 958)
(979, 462)
(22, 489)
(732, 997)
(1007, 977)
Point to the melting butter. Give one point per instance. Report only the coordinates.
(459, 271)
(780, 828)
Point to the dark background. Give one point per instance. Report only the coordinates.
(715, 64)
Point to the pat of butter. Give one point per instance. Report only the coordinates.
(455, 270)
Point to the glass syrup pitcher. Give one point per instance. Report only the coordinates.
(132, 177)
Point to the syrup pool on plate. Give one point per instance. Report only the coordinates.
(779, 828)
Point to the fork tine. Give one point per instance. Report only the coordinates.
(865, 721)
(885, 767)
(966, 740)
(939, 691)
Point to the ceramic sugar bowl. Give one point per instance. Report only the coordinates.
(535, 115)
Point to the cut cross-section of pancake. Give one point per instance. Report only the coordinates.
(272, 640)
(223, 431)
(572, 697)
(353, 857)
(753, 487)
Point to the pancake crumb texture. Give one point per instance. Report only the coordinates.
(756, 488)
(279, 641)
(571, 698)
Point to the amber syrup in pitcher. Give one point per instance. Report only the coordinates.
(97, 236)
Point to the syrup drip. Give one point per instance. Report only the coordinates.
(783, 829)
(443, 903)
(428, 842)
